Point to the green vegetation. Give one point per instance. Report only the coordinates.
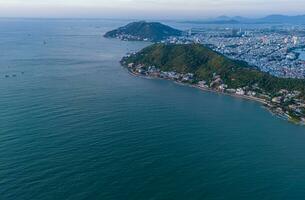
(152, 31)
(204, 63)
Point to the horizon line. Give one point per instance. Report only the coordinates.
(141, 18)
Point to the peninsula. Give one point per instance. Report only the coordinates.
(201, 67)
(143, 31)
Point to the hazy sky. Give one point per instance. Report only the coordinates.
(148, 8)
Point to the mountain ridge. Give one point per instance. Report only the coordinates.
(202, 67)
(204, 62)
(143, 31)
(275, 18)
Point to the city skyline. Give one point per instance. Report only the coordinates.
(169, 9)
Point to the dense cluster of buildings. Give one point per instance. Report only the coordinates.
(270, 51)
(129, 37)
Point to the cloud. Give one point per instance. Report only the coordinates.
(152, 8)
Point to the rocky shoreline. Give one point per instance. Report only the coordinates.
(266, 104)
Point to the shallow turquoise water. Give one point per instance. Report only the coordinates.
(75, 125)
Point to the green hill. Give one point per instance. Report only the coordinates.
(151, 31)
(204, 63)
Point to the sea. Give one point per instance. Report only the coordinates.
(75, 125)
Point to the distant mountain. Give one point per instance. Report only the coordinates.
(271, 19)
(299, 19)
(227, 18)
(221, 18)
(143, 31)
(240, 18)
(231, 21)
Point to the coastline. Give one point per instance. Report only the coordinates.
(200, 88)
(263, 102)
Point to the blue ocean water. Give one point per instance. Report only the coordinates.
(76, 125)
